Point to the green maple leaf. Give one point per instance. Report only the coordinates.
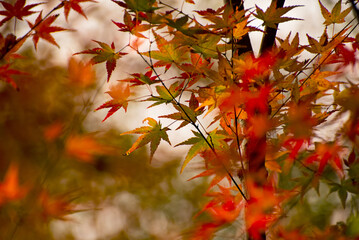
(199, 144)
(274, 15)
(168, 52)
(336, 16)
(207, 45)
(164, 95)
(106, 54)
(152, 134)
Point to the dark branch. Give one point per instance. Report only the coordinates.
(356, 10)
(270, 33)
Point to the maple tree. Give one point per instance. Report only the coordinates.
(262, 150)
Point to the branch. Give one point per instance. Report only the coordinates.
(211, 146)
(356, 10)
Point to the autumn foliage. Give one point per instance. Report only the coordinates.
(257, 118)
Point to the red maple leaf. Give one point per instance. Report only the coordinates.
(263, 207)
(324, 154)
(18, 10)
(345, 56)
(6, 72)
(43, 29)
(133, 26)
(75, 5)
(223, 208)
(141, 79)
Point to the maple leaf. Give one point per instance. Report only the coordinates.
(18, 10)
(185, 113)
(85, 148)
(327, 153)
(261, 207)
(336, 16)
(6, 72)
(225, 207)
(75, 5)
(168, 52)
(138, 5)
(217, 164)
(81, 74)
(55, 206)
(348, 98)
(345, 55)
(165, 96)
(206, 44)
(274, 15)
(152, 134)
(43, 29)
(205, 231)
(195, 70)
(53, 131)
(104, 54)
(133, 26)
(318, 82)
(250, 68)
(200, 144)
(142, 79)
(119, 93)
(10, 190)
(318, 46)
(241, 29)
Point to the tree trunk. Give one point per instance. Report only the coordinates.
(256, 147)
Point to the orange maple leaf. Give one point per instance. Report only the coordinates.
(43, 29)
(85, 148)
(81, 74)
(10, 190)
(119, 93)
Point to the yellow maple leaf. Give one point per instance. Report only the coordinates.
(240, 30)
